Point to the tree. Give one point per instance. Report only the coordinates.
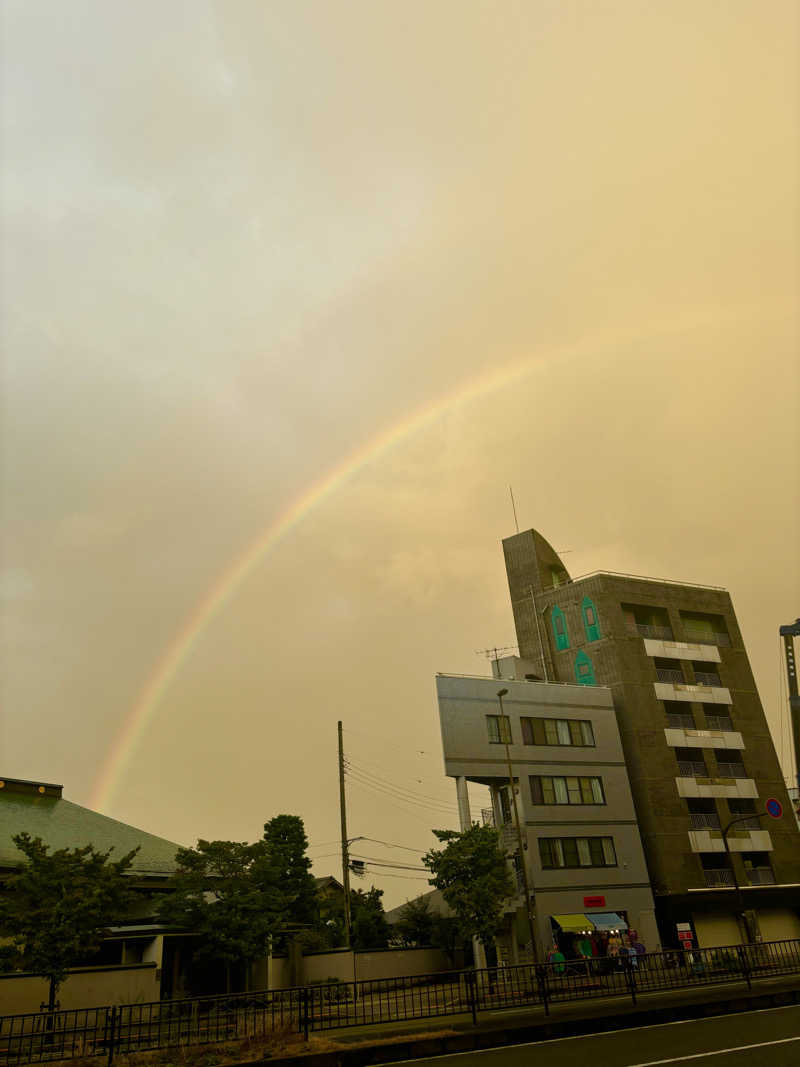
(223, 892)
(56, 909)
(473, 875)
(368, 925)
(283, 862)
(415, 925)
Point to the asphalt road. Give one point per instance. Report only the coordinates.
(770, 1038)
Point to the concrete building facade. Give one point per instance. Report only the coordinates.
(581, 845)
(697, 745)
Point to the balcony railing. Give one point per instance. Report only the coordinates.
(707, 678)
(487, 816)
(731, 770)
(659, 633)
(704, 820)
(761, 876)
(719, 722)
(690, 768)
(670, 674)
(703, 637)
(676, 721)
(718, 878)
(750, 824)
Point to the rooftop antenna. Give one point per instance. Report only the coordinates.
(494, 654)
(514, 508)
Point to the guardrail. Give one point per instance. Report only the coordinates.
(43, 1037)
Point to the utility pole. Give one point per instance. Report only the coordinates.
(345, 843)
(505, 728)
(741, 914)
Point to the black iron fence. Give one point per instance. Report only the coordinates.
(112, 1031)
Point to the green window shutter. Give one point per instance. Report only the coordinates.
(559, 622)
(591, 623)
(584, 671)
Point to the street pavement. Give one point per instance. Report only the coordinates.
(769, 1038)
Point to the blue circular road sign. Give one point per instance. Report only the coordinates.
(774, 808)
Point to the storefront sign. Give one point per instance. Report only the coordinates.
(594, 902)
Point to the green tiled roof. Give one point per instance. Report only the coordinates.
(62, 824)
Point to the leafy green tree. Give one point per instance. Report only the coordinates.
(283, 862)
(56, 910)
(369, 928)
(224, 892)
(473, 875)
(415, 926)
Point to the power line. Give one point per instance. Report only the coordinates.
(416, 805)
(383, 780)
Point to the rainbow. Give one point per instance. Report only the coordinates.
(177, 652)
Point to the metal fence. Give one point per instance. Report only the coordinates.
(111, 1031)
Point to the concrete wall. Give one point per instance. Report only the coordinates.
(388, 963)
(86, 987)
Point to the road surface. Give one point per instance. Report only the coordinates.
(770, 1038)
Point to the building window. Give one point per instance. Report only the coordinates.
(590, 623)
(499, 729)
(678, 716)
(584, 671)
(560, 789)
(706, 674)
(703, 629)
(559, 621)
(703, 814)
(758, 868)
(691, 762)
(741, 806)
(577, 732)
(718, 717)
(557, 852)
(647, 621)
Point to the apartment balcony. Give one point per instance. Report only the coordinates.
(704, 820)
(730, 770)
(669, 649)
(720, 722)
(707, 678)
(692, 769)
(705, 786)
(710, 840)
(658, 633)
(761, 876)
(673, 688)
(487, 816)
(703, 637)
(718, 879)
(670, 674)
(719, 739)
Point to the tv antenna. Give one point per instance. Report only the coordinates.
(514, 508)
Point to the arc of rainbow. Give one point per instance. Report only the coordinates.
(177, 652)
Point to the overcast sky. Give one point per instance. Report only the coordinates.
(245, 241)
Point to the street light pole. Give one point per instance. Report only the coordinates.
(505, 734)
(739, 899)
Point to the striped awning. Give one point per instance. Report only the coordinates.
(607, 920)
(573, 924)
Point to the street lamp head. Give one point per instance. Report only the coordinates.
(502, 693)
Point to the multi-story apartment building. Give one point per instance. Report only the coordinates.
(697, 745)
(580, 840)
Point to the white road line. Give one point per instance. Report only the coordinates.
(622, 1030)
(715, 1052)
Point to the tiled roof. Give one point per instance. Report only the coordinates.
(62, 824)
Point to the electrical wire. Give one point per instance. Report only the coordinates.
(417, 806)
(409, 810)
(377, 785)
(349, 762)
(399, 791)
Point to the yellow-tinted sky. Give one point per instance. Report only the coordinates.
(243, 241)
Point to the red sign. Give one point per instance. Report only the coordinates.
(594, 902)
(685, 935)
